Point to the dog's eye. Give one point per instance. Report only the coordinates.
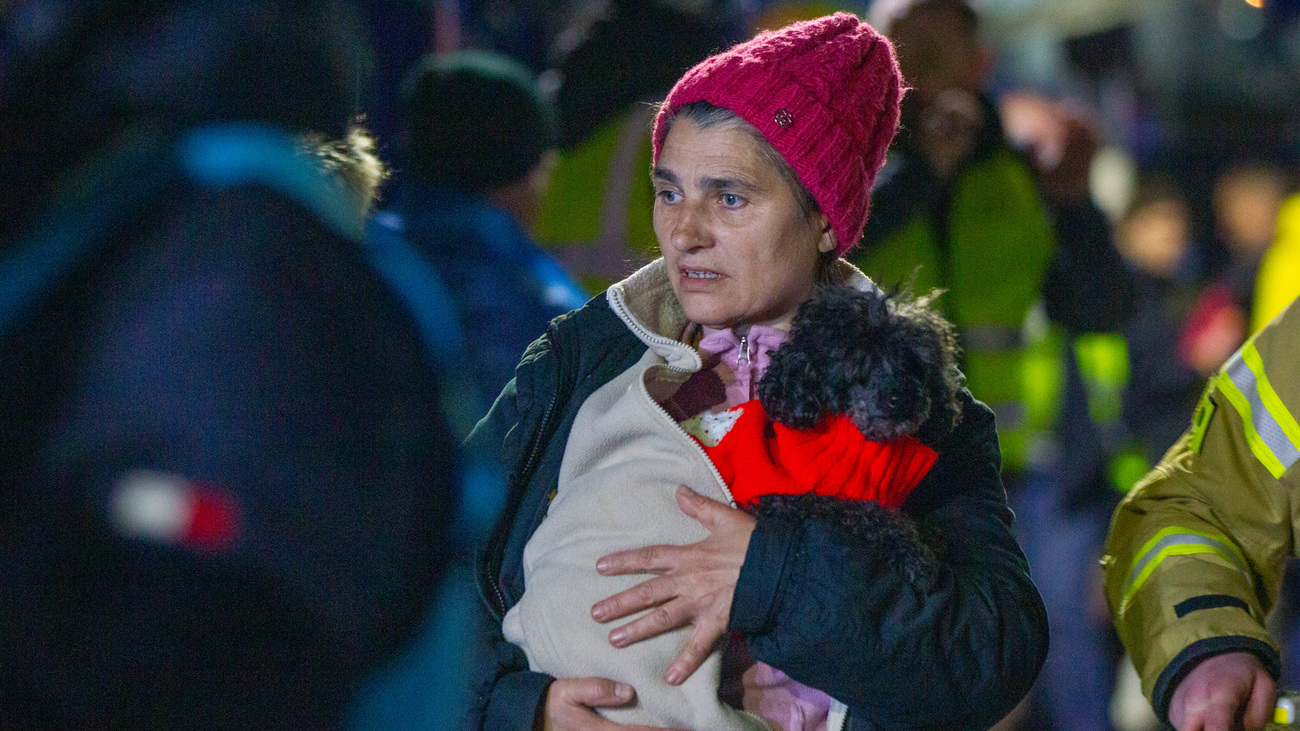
(895, 401)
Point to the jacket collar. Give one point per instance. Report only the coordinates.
(646, 304)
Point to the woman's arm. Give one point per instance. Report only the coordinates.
(958, 653)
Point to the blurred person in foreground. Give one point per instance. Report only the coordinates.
(1196, 552)
(227, 484)
(480, 147)
(764, 156)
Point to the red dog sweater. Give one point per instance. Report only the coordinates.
(757, 456)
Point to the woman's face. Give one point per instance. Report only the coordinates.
(739, 250)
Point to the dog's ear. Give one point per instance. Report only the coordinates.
(934, 343)
(790, 390)
(829, 337)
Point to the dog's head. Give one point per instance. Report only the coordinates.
(888, 361)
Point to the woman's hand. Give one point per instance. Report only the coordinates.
(695, 584)
(569, 704)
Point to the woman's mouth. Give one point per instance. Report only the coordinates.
(700, 274)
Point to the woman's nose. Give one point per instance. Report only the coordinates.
(690, 230)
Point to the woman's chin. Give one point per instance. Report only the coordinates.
(705, 310)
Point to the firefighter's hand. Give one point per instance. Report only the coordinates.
(570, 704)
(1224, 693)
(695, 584)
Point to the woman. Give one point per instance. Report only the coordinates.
(764, 157)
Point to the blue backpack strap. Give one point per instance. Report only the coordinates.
(414, 279)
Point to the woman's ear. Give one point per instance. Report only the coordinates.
(827, 241)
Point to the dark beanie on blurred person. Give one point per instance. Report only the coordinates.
(476, 122)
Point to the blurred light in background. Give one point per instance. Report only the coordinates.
(1242, 21)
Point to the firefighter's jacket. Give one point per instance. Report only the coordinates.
(1195, 555)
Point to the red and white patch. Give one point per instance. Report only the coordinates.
(170, 509)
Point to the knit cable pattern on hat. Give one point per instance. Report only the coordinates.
(823, 92)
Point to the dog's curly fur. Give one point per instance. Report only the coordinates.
(888, 360)
(890, 536)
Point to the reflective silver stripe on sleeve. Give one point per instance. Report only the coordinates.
(1268, 429)
(1178, 541)
(1185, 539)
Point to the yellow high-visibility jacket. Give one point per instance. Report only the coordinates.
(1195, 555)
(1278, 282)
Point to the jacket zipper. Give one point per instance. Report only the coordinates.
(524, 474)
(743, 357)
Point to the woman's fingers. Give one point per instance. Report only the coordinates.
(705, 510)
(569, 704)
(693, 655)
(644, 560)
(642, 596)
(595, 692)
(663, 618)
(662, 559)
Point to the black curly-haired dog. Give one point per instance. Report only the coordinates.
(888, 361)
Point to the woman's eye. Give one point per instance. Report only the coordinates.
(669, 196)
(731, 200)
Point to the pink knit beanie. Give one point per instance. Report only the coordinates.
(823, 92)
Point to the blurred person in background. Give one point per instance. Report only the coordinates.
(595, 217)
(957, 201)
(1278, 283)
(227, 483)
(1074, 378)
(1169, 356)
(1246, 202)
(1038, 292)
(479, 150)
